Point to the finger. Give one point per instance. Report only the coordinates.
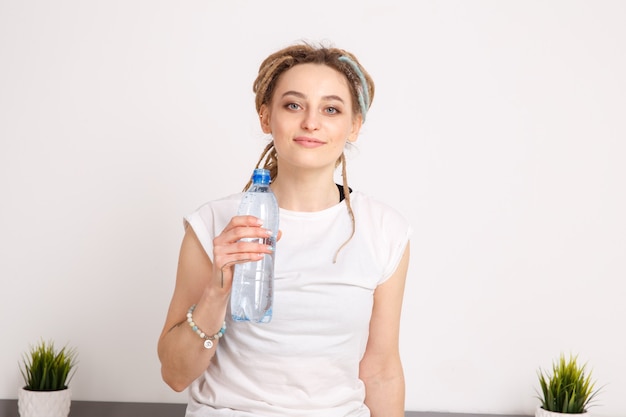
(237, 223)
(229, 266)
(226, 271)
(236, 233)
(246, 220)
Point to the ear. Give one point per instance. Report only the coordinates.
(264, 119)
(357, 122)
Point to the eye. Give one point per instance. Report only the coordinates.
(293, 106)
(332, 110)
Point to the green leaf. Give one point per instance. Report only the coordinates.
(568, 389)
(45, 368)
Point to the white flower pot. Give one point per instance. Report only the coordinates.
(44, 403)
(540, 412)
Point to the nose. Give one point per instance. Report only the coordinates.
(310, 120)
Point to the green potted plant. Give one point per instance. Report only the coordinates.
(569, 389)
(47, 372)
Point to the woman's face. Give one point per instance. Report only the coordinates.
(310, 117)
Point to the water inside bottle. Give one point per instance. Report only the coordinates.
(255, 290)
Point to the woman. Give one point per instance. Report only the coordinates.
(331, 348)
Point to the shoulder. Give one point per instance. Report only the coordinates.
(221, 204)
(214, 212)
(376, 211)
(386, 230)
(208, 220)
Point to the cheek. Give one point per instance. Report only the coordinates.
(346, 134)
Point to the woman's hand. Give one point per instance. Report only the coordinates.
(242, 240)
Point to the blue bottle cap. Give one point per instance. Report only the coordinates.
(261, 176)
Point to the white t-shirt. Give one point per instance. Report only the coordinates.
(305, 362)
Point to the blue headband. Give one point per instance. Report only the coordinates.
(364, 95)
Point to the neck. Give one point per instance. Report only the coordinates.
(305, 193)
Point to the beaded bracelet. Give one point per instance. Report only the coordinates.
(208, 340)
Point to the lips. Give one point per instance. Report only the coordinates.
(308, 142)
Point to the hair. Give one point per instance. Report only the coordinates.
(359, 81)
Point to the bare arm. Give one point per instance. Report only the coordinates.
(381, 367)
(198, 281)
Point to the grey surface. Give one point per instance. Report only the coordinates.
(8, 408)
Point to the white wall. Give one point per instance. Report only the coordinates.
(497, 128)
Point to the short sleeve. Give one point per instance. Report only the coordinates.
(211, 218)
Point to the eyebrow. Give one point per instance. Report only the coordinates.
(300, 95)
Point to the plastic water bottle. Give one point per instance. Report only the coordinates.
(252, 293)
